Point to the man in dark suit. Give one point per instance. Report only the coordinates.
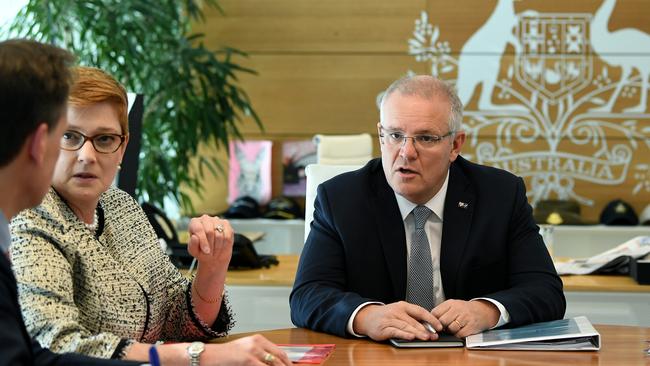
(456, 240)
(34, 83)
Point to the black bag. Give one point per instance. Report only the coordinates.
(244, 254)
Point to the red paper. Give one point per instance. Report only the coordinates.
(307, 353)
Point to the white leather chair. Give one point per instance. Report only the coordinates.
(317, 174)
(343, 149)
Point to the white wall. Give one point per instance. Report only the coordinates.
(8, 10)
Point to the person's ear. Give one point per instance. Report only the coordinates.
(38, 143)
(379, 133)
(459, 140)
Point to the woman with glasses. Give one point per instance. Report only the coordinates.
(92, 277)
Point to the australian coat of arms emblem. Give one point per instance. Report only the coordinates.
(556, 98)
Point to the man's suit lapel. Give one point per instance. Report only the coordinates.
(459, 207)
(390, 227)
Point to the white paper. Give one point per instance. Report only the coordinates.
(636, 247)
(576, 334)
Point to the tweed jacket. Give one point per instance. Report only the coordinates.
(96, 292)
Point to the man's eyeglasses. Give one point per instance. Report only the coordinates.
(396, 138)
(104, 143)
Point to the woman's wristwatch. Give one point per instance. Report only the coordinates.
(194, 350)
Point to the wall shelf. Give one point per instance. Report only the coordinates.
(280, 236)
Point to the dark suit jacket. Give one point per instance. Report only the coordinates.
(16, 346)
(356, 249)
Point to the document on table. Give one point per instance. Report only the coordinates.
(575, 334)
(307, 353)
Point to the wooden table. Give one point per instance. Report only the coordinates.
(284, 274)
(281, 275)
(621, 346)
(602, 283)
(260, 298)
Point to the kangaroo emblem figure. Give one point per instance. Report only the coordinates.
(478, 61)
(614, 48)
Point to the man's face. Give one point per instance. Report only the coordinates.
(414, 170)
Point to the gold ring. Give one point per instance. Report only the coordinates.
(268, 358)
(457, 322)
(219, 228)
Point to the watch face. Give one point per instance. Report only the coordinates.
(195, 348)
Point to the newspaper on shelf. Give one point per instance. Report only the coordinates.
(634, 248)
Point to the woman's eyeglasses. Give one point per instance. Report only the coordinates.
(104, 143)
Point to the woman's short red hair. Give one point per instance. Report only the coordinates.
(92, 85)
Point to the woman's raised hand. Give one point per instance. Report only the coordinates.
(211, 240)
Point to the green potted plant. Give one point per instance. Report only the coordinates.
(191, 93)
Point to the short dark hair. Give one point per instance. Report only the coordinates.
(35, 80)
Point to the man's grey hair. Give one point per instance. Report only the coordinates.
(426, 87)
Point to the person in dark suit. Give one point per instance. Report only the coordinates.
(34, 84)
(423, 235)
(17, 348)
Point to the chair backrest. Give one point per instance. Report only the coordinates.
(317, 174)
(343, 149)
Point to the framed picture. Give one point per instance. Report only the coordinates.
(296, 155)
(250, 170)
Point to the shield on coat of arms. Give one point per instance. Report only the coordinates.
(555, 57)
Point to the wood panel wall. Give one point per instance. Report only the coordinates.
(321, 64)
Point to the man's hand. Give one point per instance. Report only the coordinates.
(462, 318)
(397, 320)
